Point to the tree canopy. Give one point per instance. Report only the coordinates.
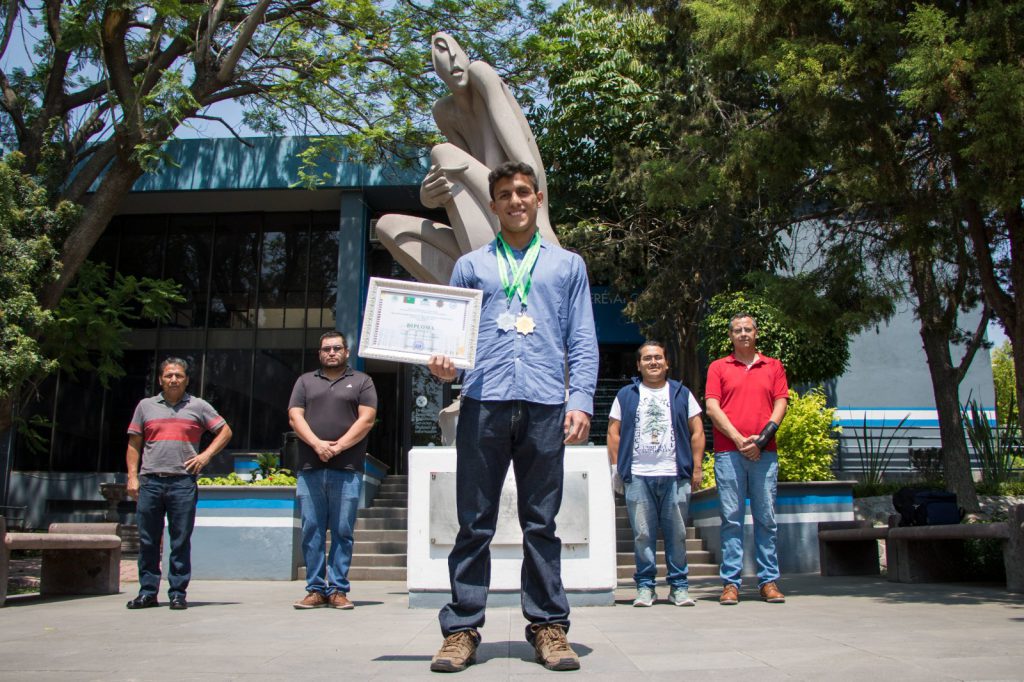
(110, 83)
(91, 91)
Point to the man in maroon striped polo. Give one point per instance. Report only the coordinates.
(164, 434)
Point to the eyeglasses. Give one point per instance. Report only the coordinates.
(332, 349)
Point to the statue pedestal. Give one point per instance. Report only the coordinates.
(586, 526)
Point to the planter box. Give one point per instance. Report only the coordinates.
(798, 509)
(245, 533)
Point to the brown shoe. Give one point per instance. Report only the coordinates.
(730, 595)
(457, 652)
(312, 600)
(339, 600)
(553, 650)
(770, 593)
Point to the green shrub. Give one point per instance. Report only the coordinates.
(708, 481)
(807, 438)
(276, 477)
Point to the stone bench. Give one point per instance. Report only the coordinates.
(919, 553)
(935, 553)
(78, 558)
(850, 547)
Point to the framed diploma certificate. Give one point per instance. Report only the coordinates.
(410, 321)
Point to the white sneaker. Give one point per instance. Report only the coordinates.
(680, 596)
(645, 596)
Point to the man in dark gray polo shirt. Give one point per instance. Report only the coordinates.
(164, 434)
(331, 411)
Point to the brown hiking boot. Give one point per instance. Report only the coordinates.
(770, 593)
(457, 652)
(339, 600)
(730, 595)
(312, 600)
(553, 650)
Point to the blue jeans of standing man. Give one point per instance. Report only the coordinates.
(491, 435)
(328, 500)
(174, 497)
(739, 478)
(654, 502)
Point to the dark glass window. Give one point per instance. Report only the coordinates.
(236, 261)
(323, 271)
(122, 397)
(274, 376)
(283, 273)
(141, 252)
(189, 242)
(76, 438)
(257, 286)
(227, 387)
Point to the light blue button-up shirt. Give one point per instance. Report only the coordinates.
(532, 367)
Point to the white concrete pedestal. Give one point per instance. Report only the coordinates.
(585, 524)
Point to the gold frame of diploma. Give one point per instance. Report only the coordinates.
(410, 321)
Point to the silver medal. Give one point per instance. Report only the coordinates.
(506, 321)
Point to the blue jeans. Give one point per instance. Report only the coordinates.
(653, 502)
(739, 478)
(174, 497)
(328, 500)
(491, 435)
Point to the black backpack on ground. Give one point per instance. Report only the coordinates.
(921, 507)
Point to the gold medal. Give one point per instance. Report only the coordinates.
(525, 324)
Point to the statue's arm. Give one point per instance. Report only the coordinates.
(444, 117)
(509, 123)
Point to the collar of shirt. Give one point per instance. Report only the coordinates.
(347, 373)
(184, 399)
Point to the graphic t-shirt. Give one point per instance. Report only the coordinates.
(654, 445)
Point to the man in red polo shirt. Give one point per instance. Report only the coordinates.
(746, 396)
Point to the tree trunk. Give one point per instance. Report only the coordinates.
(99, 210)
(935, 332)
(956, 462)
(1006, 304)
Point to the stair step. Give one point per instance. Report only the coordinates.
(368, 574)
(382, 524)
(376, 547)
(626, 572)
(368, 560)
(692, 545)
(624, 533)
(393, 489)
(399, 535)
(387, 503)
(390, 573)
(698, 557)
(383, 513)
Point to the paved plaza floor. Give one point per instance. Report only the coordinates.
(830, 628)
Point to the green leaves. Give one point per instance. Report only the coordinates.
(28, 261)
(807, 438)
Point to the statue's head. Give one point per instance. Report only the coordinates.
(450, 61)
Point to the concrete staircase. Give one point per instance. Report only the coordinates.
(380, 551)
(699, 560)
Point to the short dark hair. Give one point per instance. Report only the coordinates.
(173, 361)
(651, 342)
(335, 334)
(739, 316)
(507, 170)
